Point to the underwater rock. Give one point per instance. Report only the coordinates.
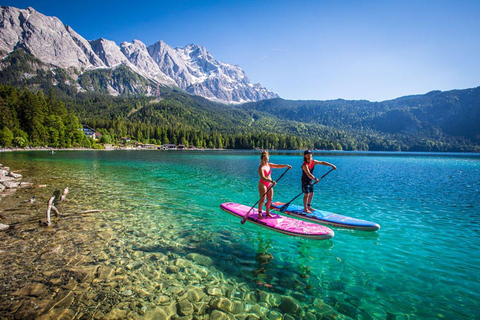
(134, 266)
(143, 294)
(15, 175)
(185, 308)
(58, 313)
(175, 290)
(155, 313)
(82, 273)
(26, 184)
(222, 304)
(173, 269)
(195, 295)
(263, 296)
(214, 291)
(11, 184)
(200, 259)
(126, 293)
(114, 314)
(274, 315)
(182, 263)
(63, 299)
(310, 316)
(32, 290)
(105, 273)
(288, 317)
(218, 315)
(258, 310)
(31, 309)
(201, 308)
(290, 305)
(163, 300)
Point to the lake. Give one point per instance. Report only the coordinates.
(142, 235)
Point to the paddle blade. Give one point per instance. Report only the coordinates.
(284, 207)
(246, 216)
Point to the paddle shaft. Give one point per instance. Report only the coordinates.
(246, 215)
(285, 206)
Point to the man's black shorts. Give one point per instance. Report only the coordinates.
(307, 187)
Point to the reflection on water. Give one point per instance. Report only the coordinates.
(156, 244)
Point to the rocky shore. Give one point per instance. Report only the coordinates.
(91, 264)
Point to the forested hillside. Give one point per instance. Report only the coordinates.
(28, 118)
(437, 121)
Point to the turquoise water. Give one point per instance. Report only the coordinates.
(424, 262)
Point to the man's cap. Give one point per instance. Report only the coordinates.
(307, 152)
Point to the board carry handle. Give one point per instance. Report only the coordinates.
(285, 206)
(248, 212)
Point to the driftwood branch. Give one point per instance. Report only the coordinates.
(51, 207)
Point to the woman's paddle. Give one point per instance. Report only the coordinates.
(246, 215)
(285, 206)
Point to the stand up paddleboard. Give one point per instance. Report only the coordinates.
(280, 223)
(325, 217)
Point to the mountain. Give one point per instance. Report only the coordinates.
(429, 122)
(191, 68)
(196, 71)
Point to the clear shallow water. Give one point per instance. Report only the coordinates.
(423, 262)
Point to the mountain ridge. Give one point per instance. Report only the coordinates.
(191, 68)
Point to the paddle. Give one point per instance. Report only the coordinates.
(246, 215)
(285, 206)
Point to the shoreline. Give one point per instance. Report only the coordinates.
(273, 151)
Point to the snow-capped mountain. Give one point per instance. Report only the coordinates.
(191, 68)
(194, 69)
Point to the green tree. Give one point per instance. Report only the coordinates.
(6, 137)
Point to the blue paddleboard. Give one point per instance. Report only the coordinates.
(326, 217)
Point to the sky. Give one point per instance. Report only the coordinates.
(303, 50)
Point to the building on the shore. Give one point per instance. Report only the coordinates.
(168, 146)
(91, 133)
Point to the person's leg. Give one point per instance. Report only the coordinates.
(309, 201)
(269, 202)
(261, 190)
(305, 202)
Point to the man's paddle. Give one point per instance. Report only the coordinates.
(246, 215)
(285, 206)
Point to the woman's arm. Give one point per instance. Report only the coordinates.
(279, 166)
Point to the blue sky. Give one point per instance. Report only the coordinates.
(318, 50)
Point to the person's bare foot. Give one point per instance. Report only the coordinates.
(307, 211)
(268, 215)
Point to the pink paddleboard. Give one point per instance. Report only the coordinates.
(280, 223)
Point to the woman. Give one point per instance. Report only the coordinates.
(308, 177)
(265, 172)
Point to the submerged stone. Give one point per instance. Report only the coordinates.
(185, 308)
(214, 291)
(200, 259)
(290, 305)
(218, 315)
(223, 304)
